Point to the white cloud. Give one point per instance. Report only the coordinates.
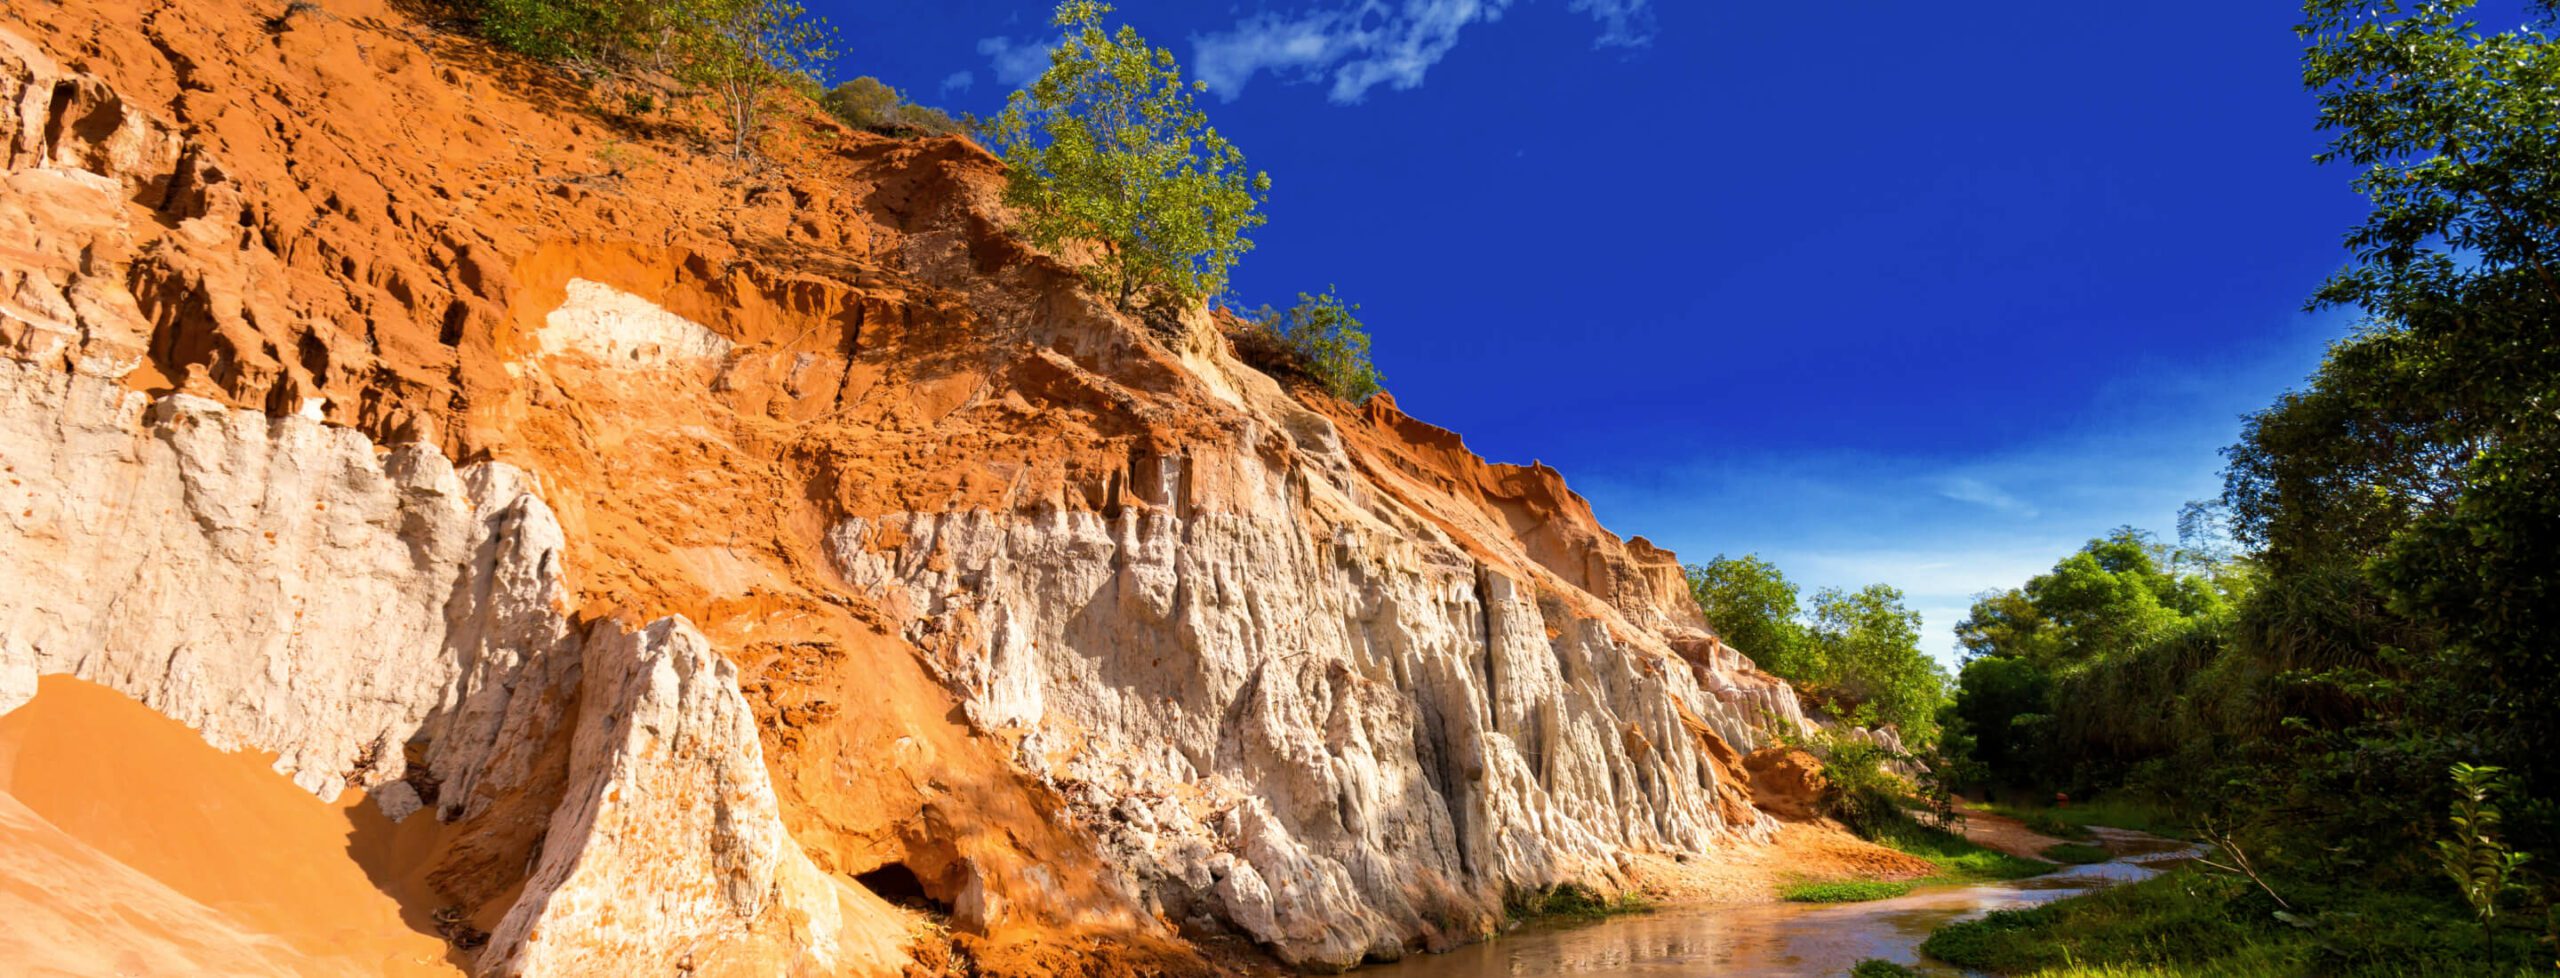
(1623, 23)
(1967, 489)
(1015, 63)
(1362, 44)
(958, 81)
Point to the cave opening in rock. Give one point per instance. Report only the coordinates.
(897, 884)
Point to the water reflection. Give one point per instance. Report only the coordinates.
(1778, 940)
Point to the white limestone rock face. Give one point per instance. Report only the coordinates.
(670, 840)
(1327, 725)
(624, 330)
(273, 582)
(282, 585)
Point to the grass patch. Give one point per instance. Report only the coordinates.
(2075, 854)
(1572, 901)
(2195, 925)
(1880, 968)
(1844, 891)
(1958, 860)
(2115, 813)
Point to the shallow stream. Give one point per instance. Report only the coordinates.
(1784, 940)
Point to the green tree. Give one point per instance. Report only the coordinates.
(1755, 609)
(1871, 644)
(2005, 702)
(1107, 149)
(740, 51)
(2437, 428)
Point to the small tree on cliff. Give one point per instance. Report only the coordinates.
(741, 50)
(1107, 147)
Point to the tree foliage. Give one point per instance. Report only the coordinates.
(1108, 150)
(1856, 651)
(742, 50)
(1757, 610)
(2386, 610)
(2081, 665)
(739, 52)
(1322, 337)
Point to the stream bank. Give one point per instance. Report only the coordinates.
(1781, 940)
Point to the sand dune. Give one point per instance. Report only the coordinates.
(129, 846)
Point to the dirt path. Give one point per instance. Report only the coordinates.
(2006, 834)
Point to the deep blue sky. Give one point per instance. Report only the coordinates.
(1919, 293)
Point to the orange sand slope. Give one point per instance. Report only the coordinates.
(129, 846)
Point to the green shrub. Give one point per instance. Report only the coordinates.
(736, 51)
(1328, 339)
(1844, 891)
(869, 104)
(1572, 901)
(1858, 791)
(1881, 968)
(2191, 923)
(596, 33)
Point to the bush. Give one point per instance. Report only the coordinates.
(1572, 900)
(593, 33)
(1858, 791)
(1881, 968)
(2191, 923)
(1844, 891)
(738, 51)
(1327, 342)
(869, 104)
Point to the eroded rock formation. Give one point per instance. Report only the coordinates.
(821, 568)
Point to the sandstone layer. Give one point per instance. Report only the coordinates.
(776, 568)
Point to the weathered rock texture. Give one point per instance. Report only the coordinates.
(1076, 633)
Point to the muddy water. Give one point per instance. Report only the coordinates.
(1779, 940)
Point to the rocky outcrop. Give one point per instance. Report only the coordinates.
(668, 851)
(1300, 707)
(280, 585)
(1068, 632)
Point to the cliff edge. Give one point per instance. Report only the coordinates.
(720, 569)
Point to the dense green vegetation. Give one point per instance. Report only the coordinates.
(1855, 652)
(1107, 149)
(2191, 923)
(2361, 697)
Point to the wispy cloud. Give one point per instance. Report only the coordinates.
(1623, 23)
(958, 81)
(1014, 62)
(1967, 489)
(1362, 44)
(1947, 527)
